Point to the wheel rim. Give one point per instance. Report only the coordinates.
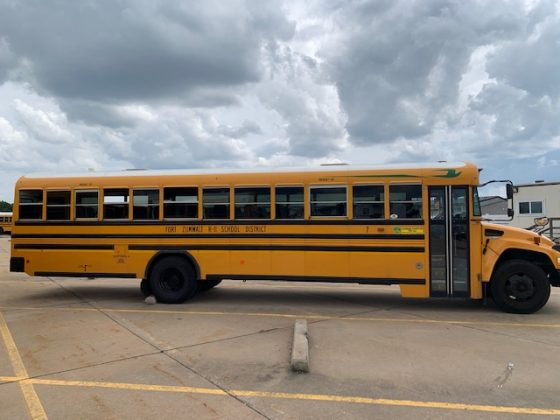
(171, 279)
(520, 287)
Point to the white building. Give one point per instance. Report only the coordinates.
(531, 201)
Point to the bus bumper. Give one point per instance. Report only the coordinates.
(17, 264)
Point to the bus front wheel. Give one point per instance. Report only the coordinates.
(173, 280)
(520, 287)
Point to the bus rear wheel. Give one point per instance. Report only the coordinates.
(520, 287)
(145, 288)
(173, 280)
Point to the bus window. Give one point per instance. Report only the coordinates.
(145, 205)
(437, 205)
(460, 203)
(476, 202)
(58, 205)
(405, 201)
(289, 202)
(31, 204)
(87, 204)
(252, 203)
(215, 202)
(369, 201)
(115, 204)
(328, 201)
(180, 203)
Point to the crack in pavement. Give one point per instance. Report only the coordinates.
(156, 344)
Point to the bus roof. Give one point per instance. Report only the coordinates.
(257, 170)
(440, 173)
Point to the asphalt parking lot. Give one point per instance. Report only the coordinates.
(78, 348)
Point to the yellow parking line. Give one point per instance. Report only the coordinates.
(11, 378)
(455, 322)
(308, 397)
(32, 400)
(129, 386)
(293, 316)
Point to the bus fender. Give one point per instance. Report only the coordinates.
(493, 261)
(167, 253)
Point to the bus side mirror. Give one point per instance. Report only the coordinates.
(509, 192)
(510, 213)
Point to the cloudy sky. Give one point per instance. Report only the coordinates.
(120, 84)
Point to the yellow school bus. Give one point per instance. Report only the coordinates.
(5, 222)
(181, 232)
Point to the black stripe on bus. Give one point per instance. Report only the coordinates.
(64, 246)
(361, 280)
(334, 222)
(84, 274)
(218, 247)
(218, 236)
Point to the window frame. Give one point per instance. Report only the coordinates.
(197, 195)
(326, 186)
(531, 213)
(69, 205)
(385, 195)
(421, 201)
(229, 206)
(120, 219)
(233, 190)
(76, 191)
(475, 199)
(302, 186)
(42, 203)
(159, 204)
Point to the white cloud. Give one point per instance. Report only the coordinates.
(159, 84)
(46, 126)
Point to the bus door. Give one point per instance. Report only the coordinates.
(449, 241)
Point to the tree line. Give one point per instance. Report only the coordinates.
(5, 206)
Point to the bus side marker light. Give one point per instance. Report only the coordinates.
(537, 240)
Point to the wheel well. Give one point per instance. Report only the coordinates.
(536, 258)
(164, 254)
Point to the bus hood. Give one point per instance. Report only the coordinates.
(519, 233)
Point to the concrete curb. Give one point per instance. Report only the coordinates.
(300, 348)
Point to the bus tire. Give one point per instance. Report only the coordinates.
(207, 284)
(172, 280)
(145, 288)
(520, 287)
